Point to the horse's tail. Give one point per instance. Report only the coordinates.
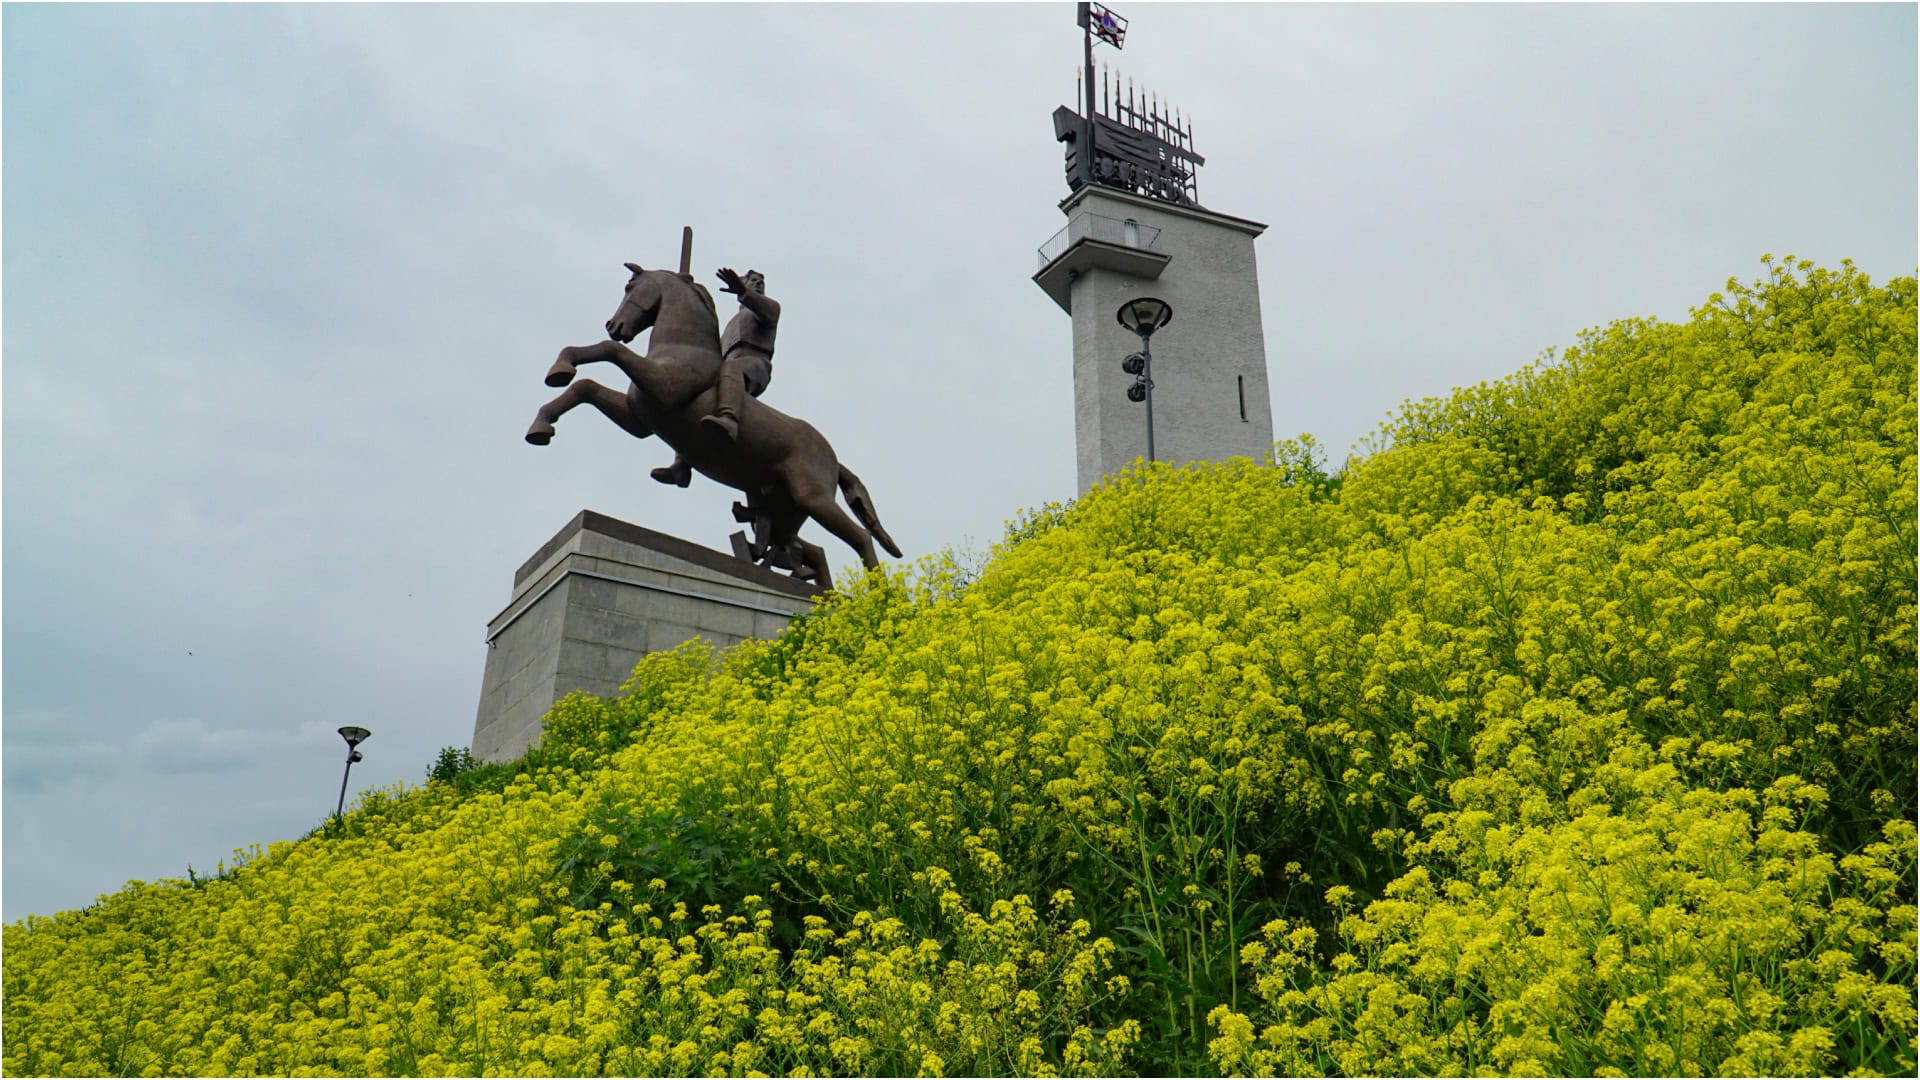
(862, 504)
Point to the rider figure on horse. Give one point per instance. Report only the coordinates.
(746, 367)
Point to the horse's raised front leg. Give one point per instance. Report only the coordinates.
(609, 351)
(585, 392)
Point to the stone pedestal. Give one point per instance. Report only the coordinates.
(595, 599)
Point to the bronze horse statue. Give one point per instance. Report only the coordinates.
(786, 467)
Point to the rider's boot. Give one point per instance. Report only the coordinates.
(724, 424)
(679, 474)
(728, 391)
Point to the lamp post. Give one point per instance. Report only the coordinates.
(1143, 316)
(354, 736)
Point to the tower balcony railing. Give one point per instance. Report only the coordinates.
(1128, 233)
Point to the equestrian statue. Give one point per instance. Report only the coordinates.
(700, 393)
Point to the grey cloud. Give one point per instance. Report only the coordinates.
(45, 749)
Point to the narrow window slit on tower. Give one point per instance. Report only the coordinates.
(1241, 382)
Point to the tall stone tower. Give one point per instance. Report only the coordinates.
(1135, 228)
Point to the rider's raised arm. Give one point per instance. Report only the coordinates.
(764, 307)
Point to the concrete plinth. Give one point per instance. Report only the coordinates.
(595, 599)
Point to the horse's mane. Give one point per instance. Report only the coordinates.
(700, 291)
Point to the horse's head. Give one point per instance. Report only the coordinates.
(639, 305)
(667, 302)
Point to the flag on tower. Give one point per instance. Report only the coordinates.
(1105, 25)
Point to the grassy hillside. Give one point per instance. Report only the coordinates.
(1571, 731)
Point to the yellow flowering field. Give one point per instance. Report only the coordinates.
(1569, 731)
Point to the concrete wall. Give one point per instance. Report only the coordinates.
(597, 597)
(1210, 358)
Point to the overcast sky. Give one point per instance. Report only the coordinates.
(280, 284)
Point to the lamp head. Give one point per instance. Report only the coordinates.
(1143, 315)
(354, 735)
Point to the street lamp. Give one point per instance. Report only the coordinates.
(354, 736)
(1143, 316)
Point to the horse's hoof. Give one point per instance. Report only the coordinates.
(540, 434)
(560, 375)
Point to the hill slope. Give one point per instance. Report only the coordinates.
(1573, 731)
